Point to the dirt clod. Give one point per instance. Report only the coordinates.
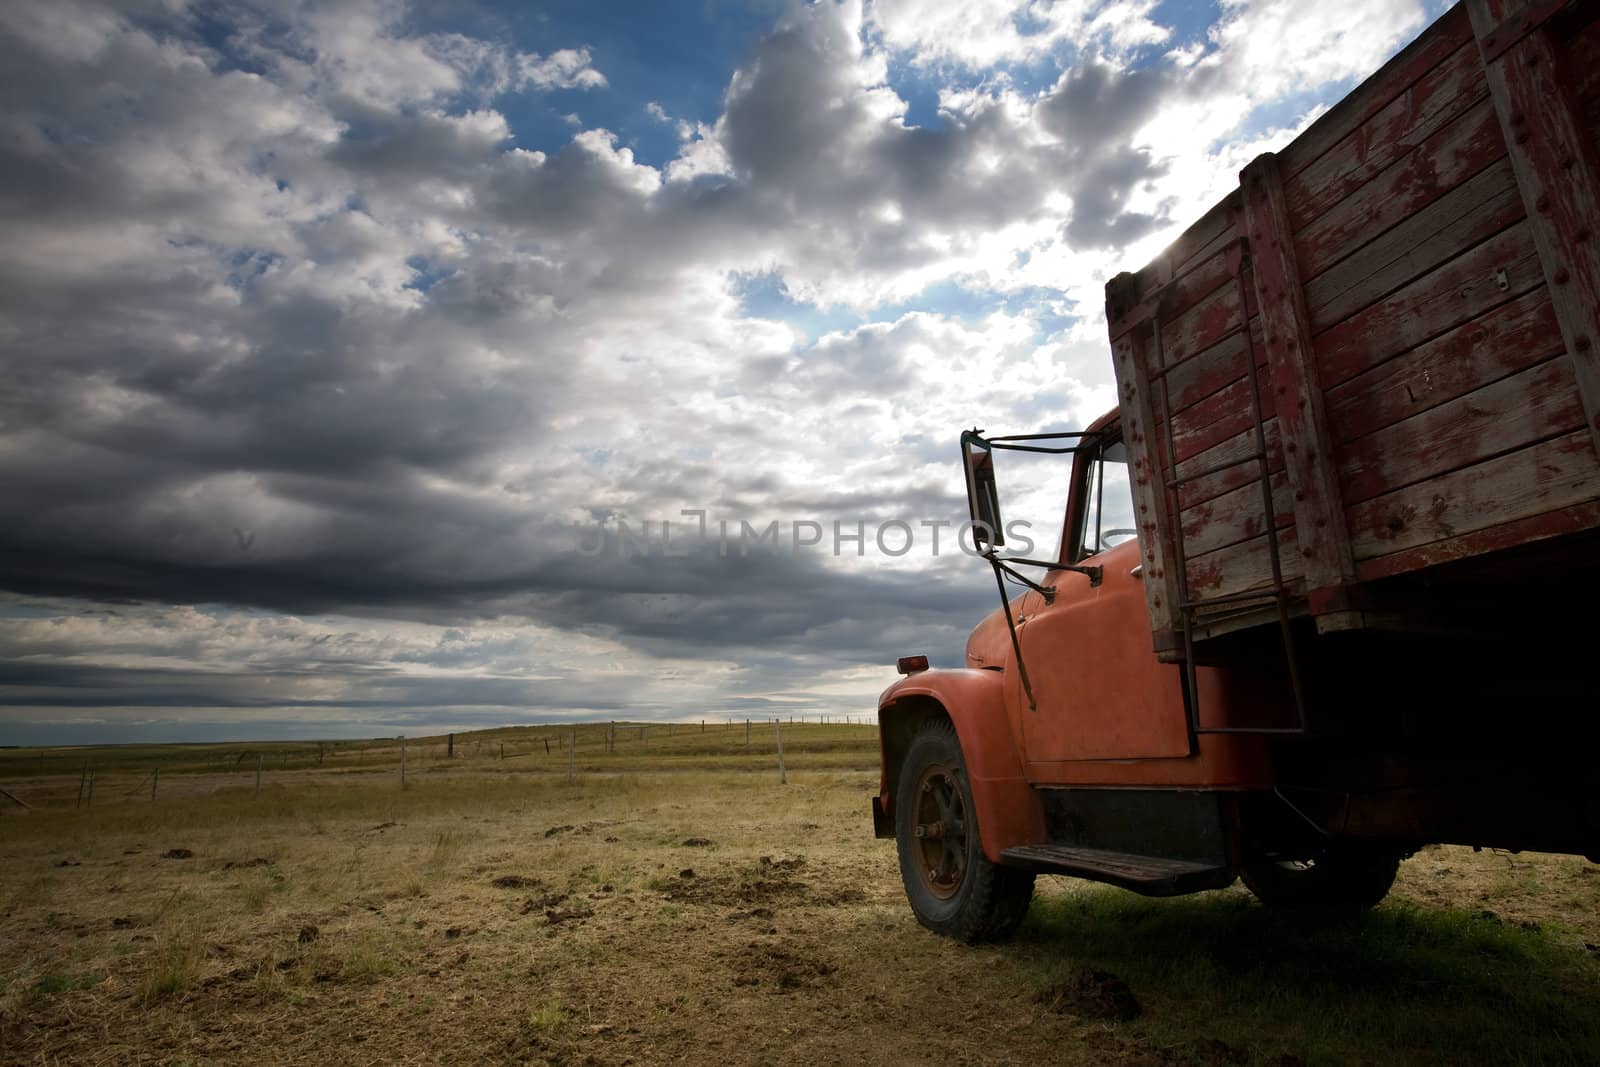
(687, 872)
(516, 881)
(555, 917)
(1091, 994)
(124, 922)
(308, 934)
(177, 854)
(697, 842)
(554, 830)
(540, 903)
(258, 861)
(786, 968)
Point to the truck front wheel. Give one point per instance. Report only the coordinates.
(953, 887)
(1340, 879)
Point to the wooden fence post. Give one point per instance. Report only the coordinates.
(83, 780)
(747, 733)
(450, 747)
(155, 776)
(90, 802)
(783, 778)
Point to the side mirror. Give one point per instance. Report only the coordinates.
(983, 498)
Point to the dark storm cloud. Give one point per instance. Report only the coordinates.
(1096, 110)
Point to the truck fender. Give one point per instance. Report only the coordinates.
(1008, 808)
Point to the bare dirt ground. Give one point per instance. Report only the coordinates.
(717, 917)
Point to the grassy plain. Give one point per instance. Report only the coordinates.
(674, 902)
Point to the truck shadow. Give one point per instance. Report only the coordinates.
(1403, 983)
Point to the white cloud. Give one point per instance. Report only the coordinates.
(996, 33)
(569, 68)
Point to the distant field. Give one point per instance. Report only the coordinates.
(674, 902)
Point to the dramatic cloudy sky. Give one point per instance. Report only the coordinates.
(339, 340)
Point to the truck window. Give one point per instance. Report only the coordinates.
(1108, 518)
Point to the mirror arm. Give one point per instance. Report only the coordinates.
(1094, 574)
(1046, 591)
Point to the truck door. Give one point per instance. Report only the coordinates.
(1099, 692)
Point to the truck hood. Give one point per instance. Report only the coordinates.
(989, 647)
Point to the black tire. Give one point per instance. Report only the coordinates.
(953, 888)
(1337, 880)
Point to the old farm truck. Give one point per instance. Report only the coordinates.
(1330, 574)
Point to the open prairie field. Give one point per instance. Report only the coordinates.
(674, 902)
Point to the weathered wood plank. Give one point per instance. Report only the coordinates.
(1558, 170)
(1475, 210)
(1246, 566)
(1235, 516)
(1222, 414)
(1206, 372)
(1440, 300)
(1188, 248)
(1581, 57)
(1501, 342)
(1232, 451)
(1509, 414)
(1219, 242)
(1141, 432)
(1400, 129)
(1408, 66)
(1545, 477)
(1202, 279)
(1204, 324)
(1324, 543)
(1539, 527)
(1462, 149)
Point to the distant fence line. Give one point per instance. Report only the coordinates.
(609, 738)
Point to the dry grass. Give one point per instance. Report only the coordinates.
(484, 915)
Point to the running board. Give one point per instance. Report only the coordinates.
(1154, 876)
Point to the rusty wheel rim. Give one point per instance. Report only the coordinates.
(940, 831)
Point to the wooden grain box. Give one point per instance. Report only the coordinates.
(1379, 356)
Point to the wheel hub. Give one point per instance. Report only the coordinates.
(940, 829)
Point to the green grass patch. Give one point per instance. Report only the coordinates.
(174, 970)
(1401, 984)
(50, 984)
